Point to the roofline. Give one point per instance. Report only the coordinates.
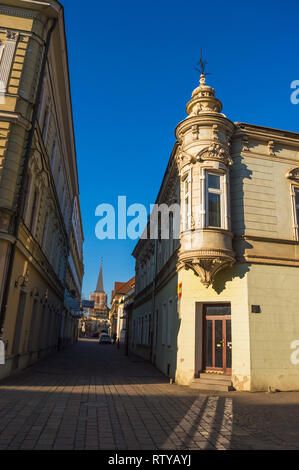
(174, 148)
(273, 130)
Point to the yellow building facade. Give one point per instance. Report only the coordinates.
(41, 237)
(217, 308)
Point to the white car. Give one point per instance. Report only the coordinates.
(104, 339)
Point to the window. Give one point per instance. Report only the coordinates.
(1, 50)
(46, 124)
(34, 210)
(187, 202)
(58, 178)
(45, 230)
(214, 199)
(26, 195)
(7, 52)
(171, 241)
(164, 324)
(296, 207)
(53, 154)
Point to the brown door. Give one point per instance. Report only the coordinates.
(217, 339)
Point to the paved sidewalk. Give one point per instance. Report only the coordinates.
(91, 396)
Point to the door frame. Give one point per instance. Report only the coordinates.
(223, 370)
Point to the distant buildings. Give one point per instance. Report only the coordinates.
(41, 237)
(121, 297)
(98, 316)
(219, 306)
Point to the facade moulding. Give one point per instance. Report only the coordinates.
(206, 264)
(266, 134)
(263, 156)
(42, 270)
(23, 33)
(15, 118)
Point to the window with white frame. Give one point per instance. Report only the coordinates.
(187, 202)
(296, 210)
(214, 199)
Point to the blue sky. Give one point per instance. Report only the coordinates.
(132, 70)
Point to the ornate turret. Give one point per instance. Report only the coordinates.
(203, 158)
(203, 100)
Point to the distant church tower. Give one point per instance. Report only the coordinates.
(100, 298)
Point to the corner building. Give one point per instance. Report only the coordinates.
(219, 308)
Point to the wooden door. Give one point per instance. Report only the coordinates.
(217, 339)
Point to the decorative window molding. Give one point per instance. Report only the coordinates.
(293, 175)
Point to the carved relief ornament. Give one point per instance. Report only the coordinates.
(293, 175)
(216, 152)
(208, 266)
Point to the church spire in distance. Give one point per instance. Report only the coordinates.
(100, 283)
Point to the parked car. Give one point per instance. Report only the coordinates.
(104, 339)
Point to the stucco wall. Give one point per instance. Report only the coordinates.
(229, 286)
(275, 289)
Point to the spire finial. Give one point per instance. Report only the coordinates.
(202, 65)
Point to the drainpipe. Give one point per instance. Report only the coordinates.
(20, 203)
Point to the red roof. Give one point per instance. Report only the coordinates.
(123, 287)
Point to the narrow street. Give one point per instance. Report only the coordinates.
(91, 396)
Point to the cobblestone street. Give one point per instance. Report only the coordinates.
(91, 396)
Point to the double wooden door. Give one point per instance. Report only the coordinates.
(217, 339)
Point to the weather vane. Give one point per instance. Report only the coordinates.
(202, 65)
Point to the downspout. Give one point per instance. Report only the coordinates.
(20, 202)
